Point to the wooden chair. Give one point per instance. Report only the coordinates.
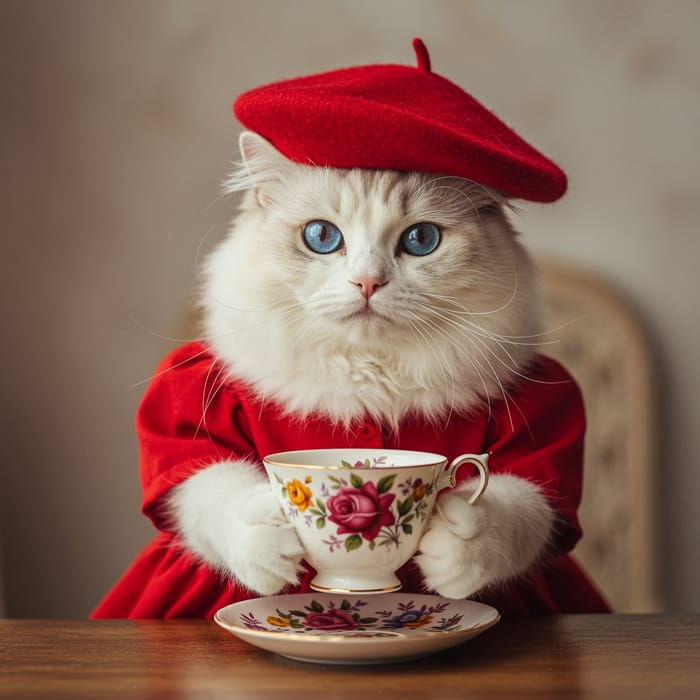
(599, 339)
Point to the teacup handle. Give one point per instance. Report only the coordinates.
(449, 474)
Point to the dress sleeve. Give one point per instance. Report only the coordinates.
(189, 418)
(538, 434)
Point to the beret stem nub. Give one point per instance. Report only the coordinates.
(422, 55)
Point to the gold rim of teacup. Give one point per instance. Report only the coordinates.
(432, 459)
(335, 467)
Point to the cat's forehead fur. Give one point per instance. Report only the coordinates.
(370, 206)
(371, 197)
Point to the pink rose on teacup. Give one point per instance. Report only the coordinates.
(361, 510)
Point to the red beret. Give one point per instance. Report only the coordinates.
(397, 117)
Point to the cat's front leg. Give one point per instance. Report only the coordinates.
(468, 547)
(228, 516)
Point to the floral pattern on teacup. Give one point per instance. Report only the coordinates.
(347, 616)
(362, 511)
(365, 464)
(299, 494)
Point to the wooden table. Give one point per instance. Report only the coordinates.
(597, 656)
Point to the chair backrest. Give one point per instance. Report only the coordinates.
(600, 341)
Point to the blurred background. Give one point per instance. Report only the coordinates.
(116, 131)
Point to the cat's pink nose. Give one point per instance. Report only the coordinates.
(368, 285)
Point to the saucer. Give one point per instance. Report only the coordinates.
(354, 629)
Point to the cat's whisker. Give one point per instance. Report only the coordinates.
(506, 304)
(160, 336)
(476, 210)
(299, 334)
(517, 339)
(480, 336)
(226, 191)
(481, 347)
(540, 334)
(513, 369)
(508, 338)
(501, 388)
(263, 309)
(466, 312)
(212, 386)
(285, 309)
(500, 338)
(497, 310)
(463, 353)
(209, 394)
(442, 361)
(452, 210)
(477, 329)
(155, 375)
(198, 255)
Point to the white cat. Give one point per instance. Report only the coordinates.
(349, 293)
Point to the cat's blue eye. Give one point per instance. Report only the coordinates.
(420, 239)
(322, 237)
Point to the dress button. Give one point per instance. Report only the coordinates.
(367, 431)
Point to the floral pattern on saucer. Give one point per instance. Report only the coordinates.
(344, 615)
(345, 630)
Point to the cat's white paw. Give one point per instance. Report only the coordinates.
(452, 558)
(266, 552)
(467, 547)
(229, 517)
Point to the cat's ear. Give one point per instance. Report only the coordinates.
(262, 166)
(262, 160)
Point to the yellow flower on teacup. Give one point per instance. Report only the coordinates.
(299, 495)
(420, 488)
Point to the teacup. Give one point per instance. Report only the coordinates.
(360, 513)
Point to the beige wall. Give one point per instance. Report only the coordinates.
(116, 131)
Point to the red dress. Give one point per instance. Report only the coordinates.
(537, 436)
